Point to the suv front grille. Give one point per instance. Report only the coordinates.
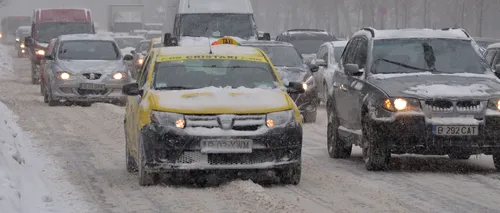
(448, 106)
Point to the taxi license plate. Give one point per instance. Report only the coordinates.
(446, 130)
(210, 146)
(93, 86)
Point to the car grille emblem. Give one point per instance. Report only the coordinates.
(92, 76)
(226, 121)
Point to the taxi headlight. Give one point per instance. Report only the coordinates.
(63, 75)
(308, 83)
(119, 76)
(40, 52)
(401, 104)
(168, 119)
(279, 118)
(494, 104)
(140, 61)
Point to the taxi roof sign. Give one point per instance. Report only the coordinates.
(226, 40)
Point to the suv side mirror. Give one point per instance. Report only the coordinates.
(28, 41)
(313, 67)
(352, 70)
(295, 87)
(131, 89)
(320, 62)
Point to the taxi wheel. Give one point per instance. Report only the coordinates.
(129, 160)
(291, 175)
(375, 152)
(496, 161)
(459, 156)
(335, 146)
(145, 178)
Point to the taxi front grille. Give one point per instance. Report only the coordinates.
(239, 122)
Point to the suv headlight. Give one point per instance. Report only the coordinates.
(401, 104)
(40, 52)
(494, 104)
(22, 45)
(308, 83)
(63, 75)
(168, 119)
(279, 118)
(119, 76)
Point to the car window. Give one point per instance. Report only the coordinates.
(435, 54)
(490, 54)
(144, 71)
(192, 74)
(322, 54)
(349, 56)
(282, 56)
(361, 53)
(337, 53)
(88, 50)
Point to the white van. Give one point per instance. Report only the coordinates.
(199, 20)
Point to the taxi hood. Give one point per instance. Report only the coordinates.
(217, 100)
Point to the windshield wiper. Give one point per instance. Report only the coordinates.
(175, 88)
(404, 65)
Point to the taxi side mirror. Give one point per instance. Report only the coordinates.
(128, 57)
(295, 87)
(131, 89)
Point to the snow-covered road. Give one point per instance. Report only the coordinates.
(88, 173)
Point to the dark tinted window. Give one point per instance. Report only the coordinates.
(309, 43)
(50, 30)
(337, 53)
(88, 50)
(204, 25)
(451, 56)
(128, 42)
(282, 55)
(219, 73)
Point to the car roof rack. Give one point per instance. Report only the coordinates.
(455, 28)
(370, 29)
(313, 30)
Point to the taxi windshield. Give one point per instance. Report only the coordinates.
(195, 74)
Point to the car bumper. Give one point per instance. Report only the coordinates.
(70, 91)
(414, 134)
(306, 102)
(174, 150)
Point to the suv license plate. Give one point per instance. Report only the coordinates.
(93, 86)
(458, 130)
(226, 146)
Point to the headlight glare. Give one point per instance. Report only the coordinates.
(22, 45)
(40, 52)
(494, 104)
(401, 104)
(168, 119)
(140, 61)
(17, 39)
(118, 76)
(64, 75)
(308, 83)
(279, 118)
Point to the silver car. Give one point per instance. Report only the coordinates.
(85, 69)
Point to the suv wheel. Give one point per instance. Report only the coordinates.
(376, 154)
(291, 174)
(145, 178)
(496, 161)
(336, 147)
(129, 160)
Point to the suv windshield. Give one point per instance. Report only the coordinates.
(282, 56)
(417, 55)
(203, 25)
(49, 30)
(88, 50)
(194, 74)
(128, 42)
(310, 43)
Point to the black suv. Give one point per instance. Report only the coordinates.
(307, 41)
(419, 91)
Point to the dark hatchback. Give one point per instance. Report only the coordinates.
(291, 68)
(413, 91)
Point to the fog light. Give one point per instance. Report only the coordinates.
(180, 123)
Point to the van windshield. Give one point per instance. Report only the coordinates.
(204, 25)
(49, 30)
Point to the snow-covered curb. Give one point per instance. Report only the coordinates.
(21, 188)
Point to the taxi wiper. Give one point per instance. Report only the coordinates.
(175, 88)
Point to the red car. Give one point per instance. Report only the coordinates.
(51, 23)
(43, 62)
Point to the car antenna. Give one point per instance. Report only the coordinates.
(189, 5)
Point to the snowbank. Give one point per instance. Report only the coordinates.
(21, 188)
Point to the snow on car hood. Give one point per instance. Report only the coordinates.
(291, 74)
(221, 100)
(98, 66)
(308, 57)
(196, 41)
(436, 86)
(126, 51)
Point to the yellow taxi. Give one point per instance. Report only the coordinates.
(214, 108)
